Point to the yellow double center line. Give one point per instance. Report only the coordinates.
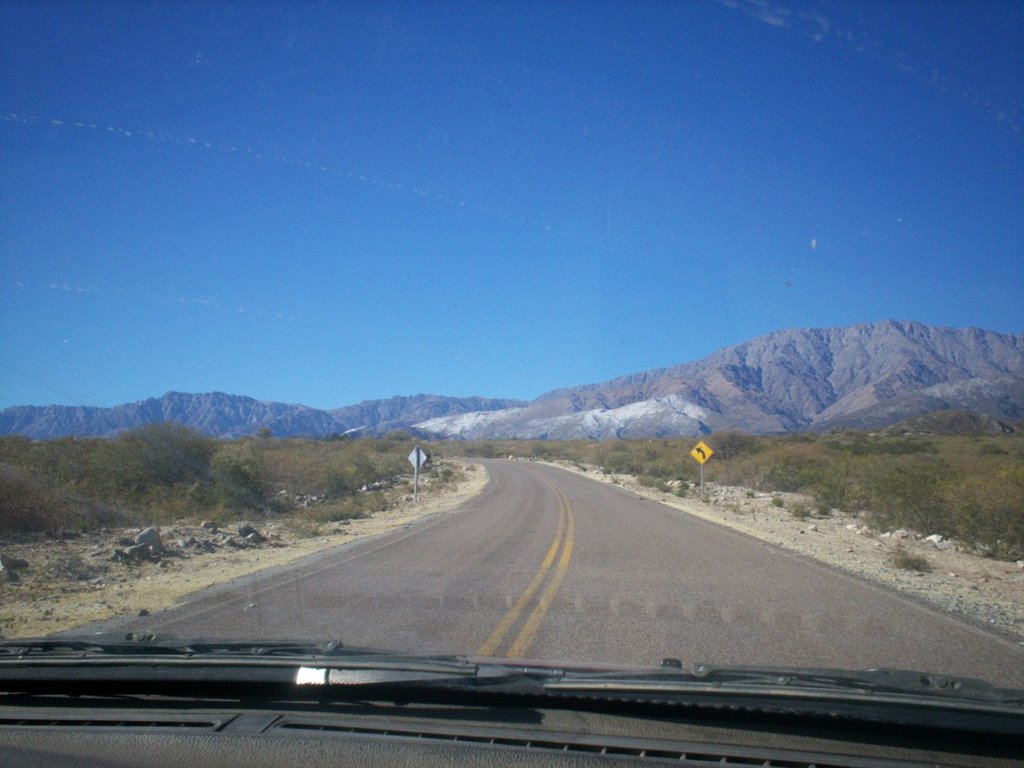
(563, 539)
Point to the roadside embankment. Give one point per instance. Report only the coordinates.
(50, 585)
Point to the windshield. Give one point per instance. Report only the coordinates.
(573, 332)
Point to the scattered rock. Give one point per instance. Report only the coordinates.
(151, 538)
(245, 528)
(62, 535)
(813, 528)
(935, 538)
(8, 563)
(208, 525)
(139, 552)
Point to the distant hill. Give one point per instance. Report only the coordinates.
(868, 376)
(223, 415)
(952, 423)
(865, 376)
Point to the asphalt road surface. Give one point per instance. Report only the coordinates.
(546, 564)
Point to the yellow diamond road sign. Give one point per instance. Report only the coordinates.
(701, 452)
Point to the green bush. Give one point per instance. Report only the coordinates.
(238, 474)
(988, 508)
(911, 494)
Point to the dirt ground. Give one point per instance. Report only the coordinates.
(981, 589)
(66, 583)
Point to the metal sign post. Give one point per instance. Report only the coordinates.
(417, 458)
(701, 453)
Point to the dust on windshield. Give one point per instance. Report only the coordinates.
(584, 332)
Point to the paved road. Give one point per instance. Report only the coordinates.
(550, 565)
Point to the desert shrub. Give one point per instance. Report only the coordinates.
(29, 503)
(865, 444)
(988, 508)
(730, 444)
(654, 482)
(799, 510)
(909, 561)
(911, 494)
(991, 449)
(165, 454)
(832, 489)
(348, 508)
(238, 474)
(484, 449)
(444, 477)
(794, 467)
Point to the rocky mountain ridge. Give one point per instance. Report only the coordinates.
(224, 415)
(868, 375)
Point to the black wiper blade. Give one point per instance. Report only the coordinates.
(302, 663)
(143, 644)
(790, 682)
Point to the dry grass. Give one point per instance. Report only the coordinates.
(967, 487)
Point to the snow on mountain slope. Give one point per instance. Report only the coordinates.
(660, 416)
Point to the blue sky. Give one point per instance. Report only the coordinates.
(330, 202)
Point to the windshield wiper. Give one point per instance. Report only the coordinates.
(301, 663)
(142, 644)
(329, 663)
(783, 682)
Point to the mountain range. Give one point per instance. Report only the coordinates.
(223, 415)
(866, 376)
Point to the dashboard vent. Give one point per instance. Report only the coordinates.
(689, 754)
(176, 724)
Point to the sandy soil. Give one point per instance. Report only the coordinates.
(68, 583)
(983, 590)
